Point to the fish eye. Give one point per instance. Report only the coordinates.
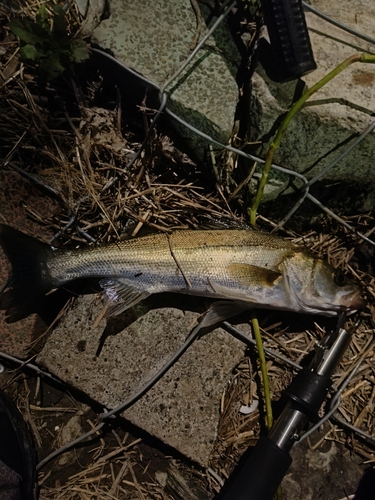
(339, 278)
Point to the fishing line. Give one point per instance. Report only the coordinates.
(250, 341)
(358, 139)
(248, 156)
(321, 174)
(65, 448)
(135, 397)
(31, 366)
(338, 23)
(336, 400)
(192, 337)
(198, 47)
(129, 402)
(336, 217)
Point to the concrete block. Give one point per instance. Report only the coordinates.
(154, 38)
(183, 408)
(334, 115)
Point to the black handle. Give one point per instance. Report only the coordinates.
(260, 474)
(289, 37)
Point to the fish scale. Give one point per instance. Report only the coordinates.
(197, 254)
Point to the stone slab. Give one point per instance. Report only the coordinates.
(334, 115)
(331, 471)
(183, 408)
(153, 37)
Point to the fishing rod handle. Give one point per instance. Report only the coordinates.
(258, 474)
(289, 37)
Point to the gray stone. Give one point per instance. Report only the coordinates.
(183, 408)
(154, 38)
(69, 432)
(331, 471)
(336, 113)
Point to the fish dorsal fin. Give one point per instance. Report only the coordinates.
(121, 294)
(220, 223)
(222, 310)
(253, 275)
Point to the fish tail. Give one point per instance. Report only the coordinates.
(29, 276)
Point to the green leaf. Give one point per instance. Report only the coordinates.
(51, 66)
(29, 53)
(59, 25)
(27, 33)
(53, 51)
(79, 50)
(42, 18)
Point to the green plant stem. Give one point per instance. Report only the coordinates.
(263, 368)
(363, 58)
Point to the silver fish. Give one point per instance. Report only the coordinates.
(245, 267)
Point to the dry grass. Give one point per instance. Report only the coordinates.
(65, 140)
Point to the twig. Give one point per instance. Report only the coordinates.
(186, 279)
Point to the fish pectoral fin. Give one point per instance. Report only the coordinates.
(253, 275)
(121, 294)
(222, 310)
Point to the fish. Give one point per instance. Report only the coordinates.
(242, 268)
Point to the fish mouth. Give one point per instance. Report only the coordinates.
(353, 300)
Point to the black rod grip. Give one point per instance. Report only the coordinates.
(308, 391)
(289, 37)
(259, 475)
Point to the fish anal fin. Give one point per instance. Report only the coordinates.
(221, 310)
(253, 275)
(121, 294)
